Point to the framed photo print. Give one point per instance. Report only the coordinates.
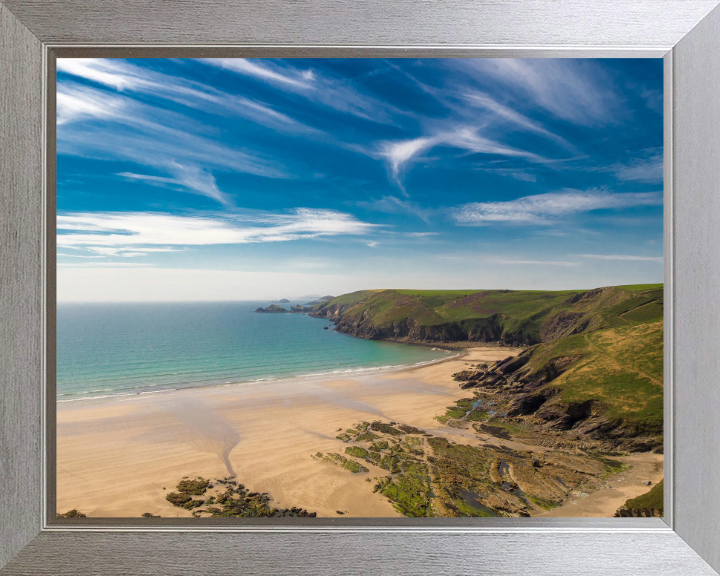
(428, 289)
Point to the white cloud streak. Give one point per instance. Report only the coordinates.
(132, 131)
(487, 102)
(113, 233)
(623, 257)
(191, 179)
(394, 205)
(535, 262)
(644, 169)
(335, 93)
(573, 90)
(545, 209)
(398, 154)
(267, 71)
(125, 77)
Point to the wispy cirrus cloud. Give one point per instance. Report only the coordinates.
(394, 205)
(489, 103)
(266, 70)
(574, 90)
(120, 233)
(128, 78)
(188, 179)
(400, 153)
(340, 94)
(534, 262)
(623, 257)
(76, 102)
(647, 167)
(544, 209)
(150, 136)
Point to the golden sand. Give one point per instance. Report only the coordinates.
(118, 457)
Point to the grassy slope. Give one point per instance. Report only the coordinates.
(621, 361)
(620, 350)
(652, 500)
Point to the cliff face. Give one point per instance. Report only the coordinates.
(477, 330)
(539, 399)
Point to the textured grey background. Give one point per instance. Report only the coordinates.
(363, 22)
(20, 284)
(696, 175)
(646, 26)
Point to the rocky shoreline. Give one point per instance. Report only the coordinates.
(423, 474)
(537, 410)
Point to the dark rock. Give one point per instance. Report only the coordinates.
(526, 405)
(272, 309)
(514, 364)
(74, 513)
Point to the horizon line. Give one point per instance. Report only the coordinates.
(471, 290)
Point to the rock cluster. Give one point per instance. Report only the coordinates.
(528, 398)
(426, 475)
(225, 497)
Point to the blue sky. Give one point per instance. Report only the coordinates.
(233, 179)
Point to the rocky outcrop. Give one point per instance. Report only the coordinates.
(491, 329)
(479, 330)
(527, 397)
(563, 324)
(272, 309)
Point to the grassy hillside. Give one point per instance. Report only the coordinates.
(594, 354)
(619, 366)
(525, 316)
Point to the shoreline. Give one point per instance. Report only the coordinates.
(120, 458)
(379, 371)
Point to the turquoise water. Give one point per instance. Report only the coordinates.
(124, 349)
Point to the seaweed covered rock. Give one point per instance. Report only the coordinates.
(183, 500)
(230, 499)
(339, 460)
(195, 487)
(74, 513)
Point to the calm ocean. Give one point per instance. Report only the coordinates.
(124, 349)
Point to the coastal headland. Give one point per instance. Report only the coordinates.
(551, 405)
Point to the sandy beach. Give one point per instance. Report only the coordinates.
(119, 457)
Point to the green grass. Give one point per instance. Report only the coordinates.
(621, 367)
(544, 504)
(510, 314)
(465, 509)
(652, 500)
(477, 416)
(640, 286)
(409, 492)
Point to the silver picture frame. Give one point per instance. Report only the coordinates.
(685, 33)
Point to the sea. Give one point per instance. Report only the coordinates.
(126, 349)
